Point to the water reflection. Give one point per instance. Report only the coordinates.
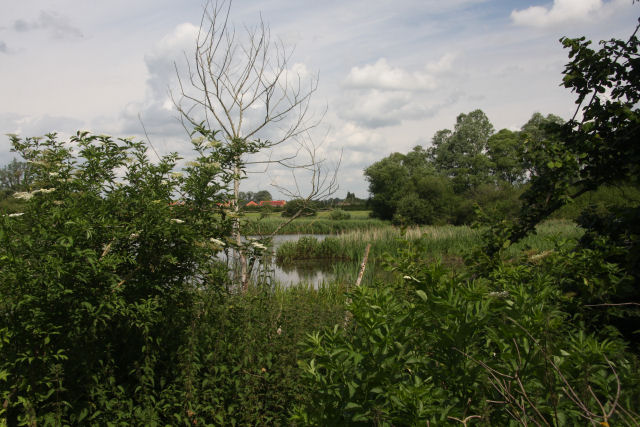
(313, 272)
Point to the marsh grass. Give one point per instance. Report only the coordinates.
(445, 242)
(448, 243)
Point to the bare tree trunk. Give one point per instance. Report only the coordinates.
(237, 233)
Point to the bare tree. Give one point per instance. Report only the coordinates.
(244, 85)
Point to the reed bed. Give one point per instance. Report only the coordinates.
(440, 240)
(433, 241)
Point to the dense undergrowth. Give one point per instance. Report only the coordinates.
(514, 345)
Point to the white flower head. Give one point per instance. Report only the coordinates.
(45, 190)
(24, 195)
(216, 242)
(13, 215)
(258, 246)
(53, 174)
(411, 278)
(177, 221)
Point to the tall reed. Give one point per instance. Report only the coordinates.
(434, 241)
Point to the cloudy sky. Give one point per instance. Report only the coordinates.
(391, 73)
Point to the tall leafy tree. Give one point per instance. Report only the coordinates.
(263, 195)
(506, 153)
(539, 133)
(461, 153)
(388, 181)
(15, 176)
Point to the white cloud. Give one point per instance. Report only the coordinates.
(156, 109)
(384, 77)
(374, 108)
(379, 95)
(354, 138)
(169, 52)
(560, 12)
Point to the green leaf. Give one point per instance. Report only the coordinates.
(352, 405)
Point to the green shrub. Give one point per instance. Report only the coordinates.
(497, 347)
(99, 275)
(339, 215)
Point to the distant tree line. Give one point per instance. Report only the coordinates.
(468, 167)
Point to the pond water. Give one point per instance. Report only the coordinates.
(313, 272)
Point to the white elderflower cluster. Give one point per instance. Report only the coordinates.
(24, 195)
(216, 242)
(258, 246)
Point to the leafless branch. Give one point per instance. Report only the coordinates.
(245, 84)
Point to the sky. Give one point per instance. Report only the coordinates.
(389, 73)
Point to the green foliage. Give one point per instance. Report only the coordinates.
(300, 207)
(15, 176)
(496, 346)
(339, 215)
(239, 366)
(387, 180)
(461, 154)
(600, 149)
(506, 153)
(416, 188)
(587, 168)
(98, 276)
